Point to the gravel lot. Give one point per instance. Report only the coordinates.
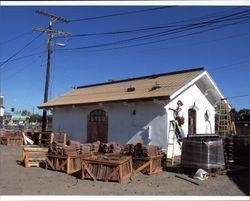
(17, 180)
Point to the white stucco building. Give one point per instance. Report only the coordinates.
(1, 110)
(136, 109)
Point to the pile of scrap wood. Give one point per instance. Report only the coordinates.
(110, 148)
(73, 148)
(11, 138)
(141, 150)
(137, 149)
(103, 161)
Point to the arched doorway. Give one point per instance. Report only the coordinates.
(97, 126)
(191, 121)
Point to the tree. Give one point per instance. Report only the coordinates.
(35, 118)
(25, 113)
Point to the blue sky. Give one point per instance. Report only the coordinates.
(224, 52)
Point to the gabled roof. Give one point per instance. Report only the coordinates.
(160, 86)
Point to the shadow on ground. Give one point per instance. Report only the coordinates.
(241, 179)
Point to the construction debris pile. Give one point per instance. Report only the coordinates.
(102, 161)
(138, 149)
(73, 148)
(11, 138)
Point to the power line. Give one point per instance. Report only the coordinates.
(169, 47)
(238, 96)
(120, 14)
(121, 42)
(25, 56)
(153, 28)
(230, 65)
(7, 60)
(166, 26)
(15, 38)
(235, 18)
(21, 69)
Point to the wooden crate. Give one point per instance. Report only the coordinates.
(34, 156)
(107, 170)
(45, 138)
(12, 140)
(59, 138)
(147, 165)
(64, 163)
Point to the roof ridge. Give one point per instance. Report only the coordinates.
(142, 77)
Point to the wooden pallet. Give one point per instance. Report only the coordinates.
(107, 170)
(34, 156)
(64, 163)
(147, 165)
(12, 141)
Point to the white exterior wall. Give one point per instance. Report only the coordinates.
(150, 123)
(1, 111)
(72, 121)
(193, 98)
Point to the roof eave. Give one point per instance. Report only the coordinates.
(105, 102)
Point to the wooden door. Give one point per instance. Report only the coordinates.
(191, 121)
(97, 126)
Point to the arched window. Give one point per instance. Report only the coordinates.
(97, 116)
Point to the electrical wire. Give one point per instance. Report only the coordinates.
(16, 53)
(25, 56)
(21, 69)
(232, 17)
(238, 96)
(230, 65)
(169, 47)
(121, 42)
(166, 26)
(15, 38)
(120, 14)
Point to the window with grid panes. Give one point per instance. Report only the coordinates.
(97, 116)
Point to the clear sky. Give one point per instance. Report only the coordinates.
(123, 46)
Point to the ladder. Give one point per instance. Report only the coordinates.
(174, 133)
(225, 124)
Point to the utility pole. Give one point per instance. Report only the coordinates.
(51, 31)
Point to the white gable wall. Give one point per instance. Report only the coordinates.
(193, 98)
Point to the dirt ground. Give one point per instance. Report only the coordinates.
(17, 180)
